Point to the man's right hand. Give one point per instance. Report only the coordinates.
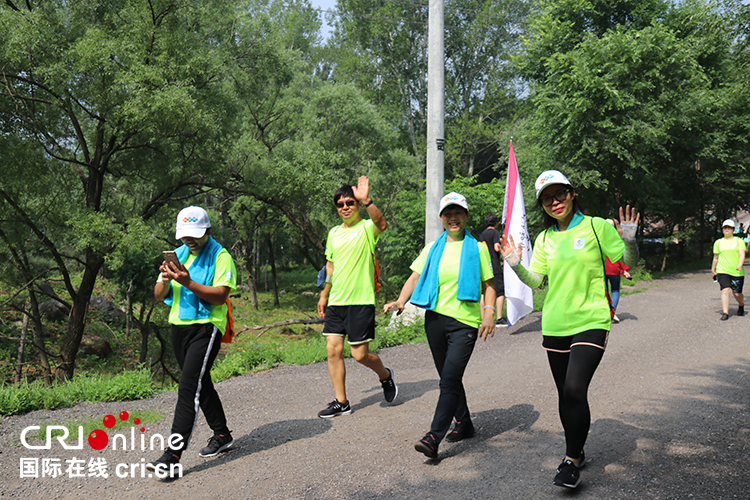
(322, 304)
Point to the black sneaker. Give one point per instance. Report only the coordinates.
(335, 409)
(390, 389)
(581, 461)
(724, 316)
(501, 322)
(462, 430)
(741, 311)
(428, 446)
(568, 475)
(168, 465)
(216, 444)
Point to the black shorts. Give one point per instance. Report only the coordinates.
(355, 322)
(595, 338)
(728, 281)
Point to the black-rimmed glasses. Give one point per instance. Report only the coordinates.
(560, 196)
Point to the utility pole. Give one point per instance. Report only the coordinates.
(435, 119)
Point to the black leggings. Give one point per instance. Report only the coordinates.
(573, 372)
(196, 347)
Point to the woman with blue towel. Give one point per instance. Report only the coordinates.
(447, 281)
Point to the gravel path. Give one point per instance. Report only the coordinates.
(669, 421)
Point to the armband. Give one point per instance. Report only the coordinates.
(329, 277)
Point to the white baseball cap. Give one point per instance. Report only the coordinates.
(549, 178)
(192, 222)
(453, 199)
(728, 222)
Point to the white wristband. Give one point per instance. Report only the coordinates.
(491, 307)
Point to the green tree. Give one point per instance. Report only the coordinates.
(112, 92)
(641, 112)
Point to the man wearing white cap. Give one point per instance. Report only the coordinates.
(197, 290)
(726, 268)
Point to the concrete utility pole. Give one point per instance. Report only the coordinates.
(435, 118)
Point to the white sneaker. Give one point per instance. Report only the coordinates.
(615, 319)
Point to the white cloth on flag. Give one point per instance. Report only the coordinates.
(519, 297)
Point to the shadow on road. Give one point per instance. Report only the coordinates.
(692, 445)
(406, 392)
(266, 437)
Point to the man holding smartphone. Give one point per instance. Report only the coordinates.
(196, 287)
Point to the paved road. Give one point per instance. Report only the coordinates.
(669, 407)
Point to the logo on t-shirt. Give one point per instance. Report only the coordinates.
(228, 275)
(579, 243)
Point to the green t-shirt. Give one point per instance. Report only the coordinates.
(468, 313)
(571, 260)
(225, 274)
(351, 250)
(728, 250)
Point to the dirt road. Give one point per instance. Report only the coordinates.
(670, 420)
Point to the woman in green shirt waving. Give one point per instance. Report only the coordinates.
(576, 317)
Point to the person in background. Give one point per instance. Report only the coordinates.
(347, 301)
(491, 237)
(612, 272)
(576, 317)
(447, 280)
(727, 268)
(196, 290)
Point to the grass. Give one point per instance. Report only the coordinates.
(125, 386)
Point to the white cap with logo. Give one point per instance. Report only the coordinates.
(549, 178)
(728, 222)
(192, 222)
(453, 199)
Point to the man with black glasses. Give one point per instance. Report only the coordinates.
(347, 301)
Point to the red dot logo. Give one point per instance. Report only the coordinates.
(109, 421)
(124, 416)
(98, 439)
(137, 421)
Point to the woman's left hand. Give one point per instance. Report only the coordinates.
(628, 223)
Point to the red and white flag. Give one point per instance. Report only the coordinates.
(519, 297)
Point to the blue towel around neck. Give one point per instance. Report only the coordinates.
(469, 273)
(201, 271)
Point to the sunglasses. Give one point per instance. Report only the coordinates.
(560, 196)
(348, 203)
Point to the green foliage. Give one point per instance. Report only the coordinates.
(392, 334)
(125, 386)
(244, 360)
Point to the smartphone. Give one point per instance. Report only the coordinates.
(170, 256)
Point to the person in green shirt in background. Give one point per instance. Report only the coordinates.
(726, 268)
(347, 301)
